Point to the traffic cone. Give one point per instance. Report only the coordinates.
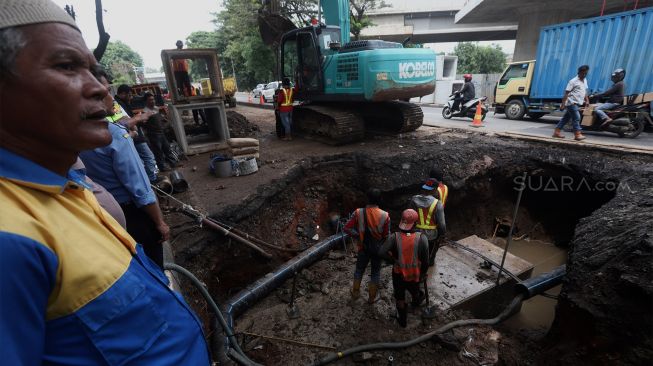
(477, 122)
(261, 100)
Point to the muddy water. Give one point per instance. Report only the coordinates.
(537, 312)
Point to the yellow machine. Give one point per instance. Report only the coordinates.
(228, 85)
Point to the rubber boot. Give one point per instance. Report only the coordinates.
(402, 316)
(419, 300)
(557, 134)
(356, 289)
(579, 136)
(372, 289)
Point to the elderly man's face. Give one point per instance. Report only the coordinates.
(54, 102)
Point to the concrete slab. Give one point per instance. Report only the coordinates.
(458, 278)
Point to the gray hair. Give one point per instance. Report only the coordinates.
(12, 41)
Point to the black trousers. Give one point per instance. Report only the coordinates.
(141, 227)
(161, 149)
(399, 286)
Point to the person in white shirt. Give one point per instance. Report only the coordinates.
(575, 97)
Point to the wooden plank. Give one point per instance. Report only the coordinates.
(457, 277)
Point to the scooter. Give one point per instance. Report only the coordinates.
(466, 110)
(628, 120)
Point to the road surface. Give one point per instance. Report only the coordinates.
(543, 128)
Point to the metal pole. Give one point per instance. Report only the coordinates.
(512, 226)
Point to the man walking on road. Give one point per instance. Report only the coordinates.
(408, 250)
(372, 225)
(574, 98)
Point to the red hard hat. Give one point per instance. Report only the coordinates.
(408, 219)
(467, 77)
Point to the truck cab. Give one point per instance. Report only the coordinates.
(512, 90)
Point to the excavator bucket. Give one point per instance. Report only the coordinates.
(272, 27)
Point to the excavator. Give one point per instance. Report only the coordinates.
(346, 87)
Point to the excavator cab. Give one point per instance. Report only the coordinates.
(301, 58)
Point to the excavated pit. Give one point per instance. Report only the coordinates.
(558, 197)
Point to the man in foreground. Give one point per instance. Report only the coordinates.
(408, 251)
(76, 288)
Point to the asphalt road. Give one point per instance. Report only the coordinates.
(542, 128)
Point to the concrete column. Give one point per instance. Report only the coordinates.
(531, 19)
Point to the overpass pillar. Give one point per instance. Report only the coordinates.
(531, 19)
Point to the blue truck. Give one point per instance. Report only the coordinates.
(534, 88)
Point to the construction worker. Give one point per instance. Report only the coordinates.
(372, 226)
(409, 252)
(430, 212)
(180, 70)
(285, 101)
(435, 179)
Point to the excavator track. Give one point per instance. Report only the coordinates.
(391, 117)
(330, 124)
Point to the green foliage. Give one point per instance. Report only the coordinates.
(119, 60)
(358, 19)
(476, 59)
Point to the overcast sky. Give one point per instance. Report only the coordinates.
(148, 26)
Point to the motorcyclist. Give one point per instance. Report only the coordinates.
(465, 94)
(615, 96)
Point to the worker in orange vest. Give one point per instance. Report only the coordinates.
(180, 70)
(372, 226)
(408, 250)
(430, 211)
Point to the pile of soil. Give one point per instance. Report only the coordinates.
(604, 313)
(240, 126)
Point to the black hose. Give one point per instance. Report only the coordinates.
(233, 342)
(509, 310)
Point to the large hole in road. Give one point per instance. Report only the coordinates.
(554, 200)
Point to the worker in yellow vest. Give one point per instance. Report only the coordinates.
(285, 102)
(435, 180)
(431, 221)
(409, 252)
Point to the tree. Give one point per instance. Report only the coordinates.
(119, 59)
(476, 59)
(358, 19)
(103, 41)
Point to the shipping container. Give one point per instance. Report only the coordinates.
(623, 40)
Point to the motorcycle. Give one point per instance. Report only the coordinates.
(466, 110)
(628, 120)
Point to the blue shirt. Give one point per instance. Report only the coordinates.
(75, 289)
(118, 168)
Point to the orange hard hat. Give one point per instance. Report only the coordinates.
(408, 219)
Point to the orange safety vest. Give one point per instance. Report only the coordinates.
(443, 191)
(287, 97)
(375, 218)
(179, 64)
(426, 219)
(407, 263)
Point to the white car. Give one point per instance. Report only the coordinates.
(268, 91)
(257, 91)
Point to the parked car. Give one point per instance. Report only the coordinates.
(268, 91)
(257, 91)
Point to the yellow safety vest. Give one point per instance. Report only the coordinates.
(287, 100)
(443, 190)
(426, 222)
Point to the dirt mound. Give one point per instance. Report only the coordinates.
(240, 126)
